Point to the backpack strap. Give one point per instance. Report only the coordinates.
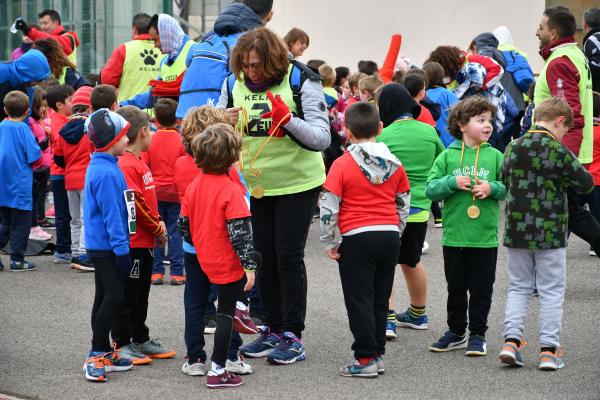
(230, 82)
(298, 75)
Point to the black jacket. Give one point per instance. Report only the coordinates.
(591, 48)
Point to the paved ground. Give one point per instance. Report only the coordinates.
(44, 334)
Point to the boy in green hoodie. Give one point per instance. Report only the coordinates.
(467, 176)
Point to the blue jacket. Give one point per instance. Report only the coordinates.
(15, 75)
(446, 99)
(104, 209)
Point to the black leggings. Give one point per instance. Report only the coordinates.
(228, 295)
(107, 300)
(581, 222)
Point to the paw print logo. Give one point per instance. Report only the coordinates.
(149, 57)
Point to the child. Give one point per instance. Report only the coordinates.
(107, 215)
(467, 177)
(367, 194)
(164, 150)
(58, 98)
(537, 171)
(217, 220)
(593, 199)
(438, 94)
(415, 84)
(18, 151)
(368, 87)
(130, 332)
(417, 145)
(200, 312)
(353, 94)
(72, 153)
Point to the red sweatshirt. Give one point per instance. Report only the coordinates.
(426, 116)
(77, 158)
(185, 172)
(112, 71)
(57, 121)
(166, 147)
(65, 39)
(139, 179)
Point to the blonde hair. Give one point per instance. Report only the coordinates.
(327, 75)
(198, 119)
(552, 108)
(370, 84)
(217, 148)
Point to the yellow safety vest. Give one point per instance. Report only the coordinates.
(169, 73)
(141, 65)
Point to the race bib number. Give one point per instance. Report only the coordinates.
(130, 204)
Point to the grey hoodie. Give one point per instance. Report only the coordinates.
(377, 164)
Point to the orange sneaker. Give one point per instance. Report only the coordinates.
(177, 280)
(511, 354)
(157, 279)
(136, 357)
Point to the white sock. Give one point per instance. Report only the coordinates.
(240, 306)
(216, 368)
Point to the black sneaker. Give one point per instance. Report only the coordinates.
(46, 224)
(22, 266)
(82, 263)
(210, 324)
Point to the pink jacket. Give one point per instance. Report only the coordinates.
(40, 133)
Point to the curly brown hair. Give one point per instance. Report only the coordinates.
(464, 110)
(451, 58)
(217, 148)
(270, 48)
(54, 54)
(198, 119)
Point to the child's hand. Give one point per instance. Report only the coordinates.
(333, 253)
(482, 189)
(249, 281)
(463, 183)
(232, 115)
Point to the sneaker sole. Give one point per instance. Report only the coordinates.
(391, 335)
(240, 327)
(474, 353)
(261, 354)
(549, 367)
(223, 385)
(162, 356)
(509, 359)
(114, 368)
(365, 376)
(193, 373)
(82, 268)
(238, 371)
(23, 270)
(94, 378)
(292, 360)
(141, 361)
(421, 327)
(209, 331)
(449, 348)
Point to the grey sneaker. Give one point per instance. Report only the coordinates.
(356, 370)
(380, 365)
(238, 367)
(153, 349)
(21, 266)
(136, 356)
(195, 369)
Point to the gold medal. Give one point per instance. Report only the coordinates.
(473, 212)
(258, 191)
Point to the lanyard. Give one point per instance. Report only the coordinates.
(462, 153)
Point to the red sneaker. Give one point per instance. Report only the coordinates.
(224, 380)
(242, 322)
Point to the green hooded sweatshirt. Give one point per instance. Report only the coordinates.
(459, 229)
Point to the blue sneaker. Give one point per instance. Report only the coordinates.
(390, 330)
(115, 363)
(405, 320)
(265, 344)
(22, 266)
(449, 342)
(550, 361)
(476, 346)
(356, 370)
(82, 263)
(380, 365)
(94, 367)
(289, 351)
(62, 258)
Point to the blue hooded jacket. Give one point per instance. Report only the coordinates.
(15, 75)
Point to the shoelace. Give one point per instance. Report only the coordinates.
(98, 361)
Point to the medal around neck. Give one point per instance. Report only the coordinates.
(258, 191)
(473, 212)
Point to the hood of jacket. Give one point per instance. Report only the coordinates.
(30, 67)
(375, 161)
(486, 39)
(395, 101)
(236, 18)
(60, 30)
(74, 130)
(502, 33)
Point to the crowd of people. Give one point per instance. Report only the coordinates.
(216, 154)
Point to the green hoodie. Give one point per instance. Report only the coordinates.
(459, 229)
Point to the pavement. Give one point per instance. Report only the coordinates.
(45, 334)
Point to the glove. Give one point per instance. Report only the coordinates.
(280, 114)
(21, 25)
(123, 264)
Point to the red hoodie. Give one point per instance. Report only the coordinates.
(166, 147)
(67, 40)
(57, 121)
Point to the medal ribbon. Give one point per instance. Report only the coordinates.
(462, 153)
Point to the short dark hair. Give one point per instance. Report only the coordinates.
(368, 67)
(140, 23)
(216, 148)
(16, 104)
(165, 110)
(103, 96)
(294, 35)
(414, 84)
(596, 104)
(464, 110)
(592, 18)
(137, 120)
(434, 73)
(39, 97)
(362, 119)
(58, 94)
(561, 19)
(53, 14)
(315, 64)
(341, 73)
(79, 109)
(262, 8)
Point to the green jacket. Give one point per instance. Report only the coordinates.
(416, 145)
(459, 229)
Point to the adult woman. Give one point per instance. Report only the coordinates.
(297, 42)
(61, 67)
(284, 170)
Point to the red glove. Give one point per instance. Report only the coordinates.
(280, 114)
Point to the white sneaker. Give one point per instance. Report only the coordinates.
(238, 367)
(425, 247)
(592, 253)
(38, 233)
(196, 369)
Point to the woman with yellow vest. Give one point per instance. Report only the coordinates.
(284, 123)
(175, 44)
(61, 66)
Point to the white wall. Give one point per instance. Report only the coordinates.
(342, 32)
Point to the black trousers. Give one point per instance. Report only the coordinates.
(14, 227)
(367, 265)
(473, 271)
(581, 221)
(228, 295)
(130, 325)
(62, 216)
(107, 300)
(280, 226)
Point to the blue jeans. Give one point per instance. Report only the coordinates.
(195, 299)
(14, 227)
(170, 213)
(62, 216)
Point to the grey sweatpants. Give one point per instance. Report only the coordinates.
(546, 271)
(76, 211)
